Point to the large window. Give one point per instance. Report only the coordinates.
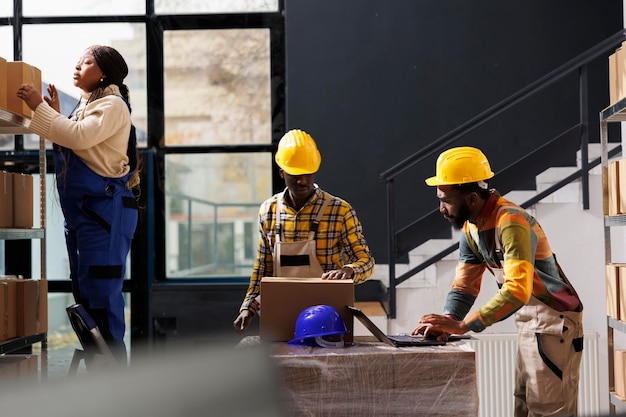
(217, 87)
(212, 202)
(217, 93)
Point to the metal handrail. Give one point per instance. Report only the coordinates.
(528, 203)
(566, 69)
(578, 64)
(188, 215)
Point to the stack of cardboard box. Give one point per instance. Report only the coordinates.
(12, 75)
(616, 176)
(616, 308)
(23, 302)
(23, 307)
(616, 291)
(616, 272)
(16, 190)
(16, 200)
(18, 367)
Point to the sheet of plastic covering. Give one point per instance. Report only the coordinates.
(374, 379)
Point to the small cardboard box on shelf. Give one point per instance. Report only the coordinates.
(15, 367)
(3, 83)
(32, 307)
(22, 200)
(612, 291)
(6, 199)
(18, 73)
(24, 303)
(613, 174)
(617, 75)
(8, 309)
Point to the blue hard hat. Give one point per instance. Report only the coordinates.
(318, 321)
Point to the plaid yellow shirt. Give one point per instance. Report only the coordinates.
(339, 239)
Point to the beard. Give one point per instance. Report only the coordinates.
(461, 217)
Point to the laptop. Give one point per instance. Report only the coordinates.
(392, 340)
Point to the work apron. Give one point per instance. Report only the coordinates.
(100, 220)
(297, 259)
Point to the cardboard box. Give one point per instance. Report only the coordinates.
(15, 367)
(617, 75)
(6, 199)
(612, 291)
(621, 286)
(619, 364)
(10, 306)
(621, 186)
(613, 188)
(5, 316)
(22, 200)
(18, 73)
(3, 83)
(283, 299)
(613, 79)
(620, 58)
(32, 307)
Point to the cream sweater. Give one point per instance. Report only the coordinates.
(97, 132)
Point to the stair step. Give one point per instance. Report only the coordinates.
(375, 311)
(371, 308)
(518, 197)
(571, 193)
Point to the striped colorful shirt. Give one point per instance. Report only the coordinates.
(528, 266)
(339, 239)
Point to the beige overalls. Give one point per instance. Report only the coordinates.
(549, 352)
(297, 259)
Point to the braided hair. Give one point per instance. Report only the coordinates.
(114, 68)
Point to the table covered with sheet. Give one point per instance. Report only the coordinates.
(370, 378)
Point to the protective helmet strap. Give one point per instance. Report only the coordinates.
(328, 344)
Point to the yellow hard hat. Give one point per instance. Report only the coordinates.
(297, 153)
(461, 165)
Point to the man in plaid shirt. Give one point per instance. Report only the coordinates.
(303, 230)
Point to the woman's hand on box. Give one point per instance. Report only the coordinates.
(30, 95)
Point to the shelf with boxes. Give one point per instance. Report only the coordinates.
(614, 210)
(23, 301)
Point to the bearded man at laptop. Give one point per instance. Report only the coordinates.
(304, 232)
(500, 236)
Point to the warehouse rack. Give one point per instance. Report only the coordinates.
(612, 114)
(12, 123)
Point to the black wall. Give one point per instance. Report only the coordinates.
(374, 81)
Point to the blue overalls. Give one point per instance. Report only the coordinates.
(100, 220)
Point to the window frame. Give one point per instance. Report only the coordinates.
(148, 251)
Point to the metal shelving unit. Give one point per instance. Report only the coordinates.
(15, 124)
(612, 114)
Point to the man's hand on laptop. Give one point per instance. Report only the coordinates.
(438, 326)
